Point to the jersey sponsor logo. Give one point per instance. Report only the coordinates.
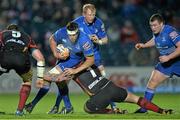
(95, 82)
(173, 34)
(16, 41)
(87, 46)
(64, 40)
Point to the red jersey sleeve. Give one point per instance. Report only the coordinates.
(32, 43)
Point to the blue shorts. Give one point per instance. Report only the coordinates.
(69, 63)
(170, 68)
(97, 58)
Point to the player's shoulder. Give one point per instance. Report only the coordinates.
(10, 32)
(79, 19)
(169, 28)
(83, 35)
(61, 30)
(98, 21)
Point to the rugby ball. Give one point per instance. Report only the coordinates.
(63, 50)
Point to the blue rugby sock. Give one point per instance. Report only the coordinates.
(149, 93)
(64, 91)
(42, 92)
(58, 99)
(67, 101)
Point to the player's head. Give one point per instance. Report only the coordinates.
(12, 27)
(89, 12)
(72, 31)
(156, 23)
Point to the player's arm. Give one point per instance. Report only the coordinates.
(36, 53)
(86, 64)
(175, 37)
(100, 41)
(53, 46)
(176, 53)
(101, 37)
(38, 56)
(148, 44)
(87, 48)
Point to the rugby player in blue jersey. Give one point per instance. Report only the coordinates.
(94, 28)
(167, 40)
(80, 57)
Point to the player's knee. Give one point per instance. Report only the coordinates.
(27, 83)
(90, 107)
(152, 84)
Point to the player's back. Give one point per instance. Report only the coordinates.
(15, 40)
(15, 53)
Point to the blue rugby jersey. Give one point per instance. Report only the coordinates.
(97, 27)
(78, 50)
(166, 40)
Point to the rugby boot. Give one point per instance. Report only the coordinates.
(141, 110)
(54, 110)
(167, 111)
(65, 110)
(29, 107)
(19, 113)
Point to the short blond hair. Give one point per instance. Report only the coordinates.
(88, 6)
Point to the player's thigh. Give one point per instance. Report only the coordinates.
(156, 78)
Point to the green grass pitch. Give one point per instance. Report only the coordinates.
(8, 104)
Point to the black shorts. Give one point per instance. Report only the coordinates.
(110, 93)
(18, 61)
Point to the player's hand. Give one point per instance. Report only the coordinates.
(61, 55)
(63, 77)
(39, 83)
(139, 45)
(164, 58)
(94, 38)
(69, 71)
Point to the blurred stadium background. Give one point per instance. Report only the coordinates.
(126, 23)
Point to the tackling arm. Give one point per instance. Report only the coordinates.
(40, 63)
(87, 63)
(53, 46)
